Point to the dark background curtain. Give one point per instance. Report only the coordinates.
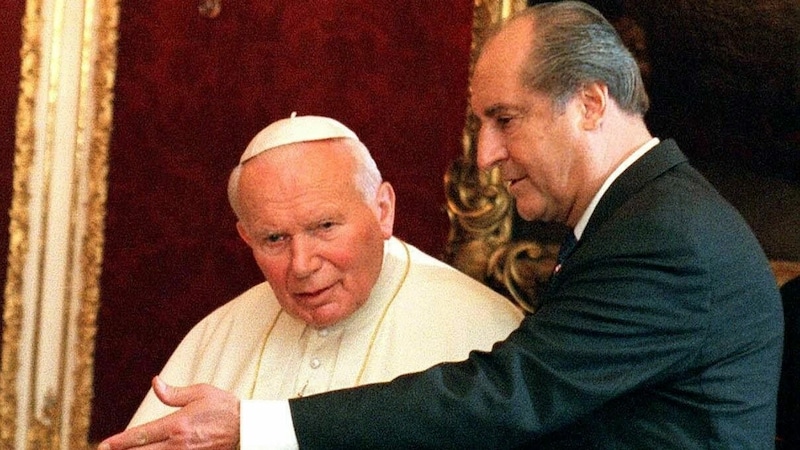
(192, 91)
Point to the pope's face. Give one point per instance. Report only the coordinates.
(317, 240)
(534, 144)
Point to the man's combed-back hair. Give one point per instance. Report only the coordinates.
(574, 45)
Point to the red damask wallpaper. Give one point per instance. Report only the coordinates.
(191, 92)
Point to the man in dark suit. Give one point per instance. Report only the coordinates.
(662, 325)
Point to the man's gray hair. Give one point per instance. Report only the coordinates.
(574, 45)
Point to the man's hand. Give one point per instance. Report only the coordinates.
(208, 418)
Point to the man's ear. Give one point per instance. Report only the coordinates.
(594, 101)
(385, 200)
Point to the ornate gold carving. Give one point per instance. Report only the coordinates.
(43, 433)
(105, 36)
(45, 427)
(785, 270)
(19, 220)
(481, 210)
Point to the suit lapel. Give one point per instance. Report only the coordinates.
(654, 163)
(660, 159)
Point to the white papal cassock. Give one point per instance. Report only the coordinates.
(420, 312)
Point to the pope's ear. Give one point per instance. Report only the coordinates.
(594, 101)
(243, 233)
(385, 200)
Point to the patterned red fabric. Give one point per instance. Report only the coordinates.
(191, 92)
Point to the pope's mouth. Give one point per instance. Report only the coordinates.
(317, 296)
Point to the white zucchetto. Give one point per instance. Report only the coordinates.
(296, 129)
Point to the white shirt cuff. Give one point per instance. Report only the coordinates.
(266, 425)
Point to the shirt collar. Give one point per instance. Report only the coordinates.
(584, 220)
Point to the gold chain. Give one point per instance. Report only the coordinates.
(261, 357)
(383, 315)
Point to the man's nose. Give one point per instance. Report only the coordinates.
(305, 260)
(491, 150)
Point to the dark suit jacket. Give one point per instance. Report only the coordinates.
(789, 387)
(663, 329)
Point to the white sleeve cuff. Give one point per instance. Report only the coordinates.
(266, 425)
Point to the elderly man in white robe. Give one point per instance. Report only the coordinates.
(344, 302)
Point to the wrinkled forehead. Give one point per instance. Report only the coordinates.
(303, 174)
(510, 44)
(502, 59)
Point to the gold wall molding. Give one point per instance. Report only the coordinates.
(18, 223)
(64, 117)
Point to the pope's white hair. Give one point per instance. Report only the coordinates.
(366, 175)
